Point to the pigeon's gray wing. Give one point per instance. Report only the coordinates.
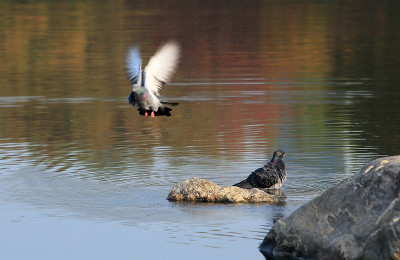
(132, 99)
(133, 62)
(162, 66)
(264, 177)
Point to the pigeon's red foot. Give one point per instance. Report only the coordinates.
(146, 114)
(152, 114)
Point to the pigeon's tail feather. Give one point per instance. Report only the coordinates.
(164, 111)
(243, 184)
(169, 103)
(131, 99)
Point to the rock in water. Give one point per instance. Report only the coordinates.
(200, 190)
(357, 219)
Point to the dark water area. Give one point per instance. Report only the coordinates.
(82, 175)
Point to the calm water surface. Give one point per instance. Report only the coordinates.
(82, 175)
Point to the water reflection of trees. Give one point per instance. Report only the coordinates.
(76, 50)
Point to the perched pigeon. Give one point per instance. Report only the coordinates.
(147, 83)
(271, 176)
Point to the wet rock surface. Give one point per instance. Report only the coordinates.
(200, 190)
(357, 219)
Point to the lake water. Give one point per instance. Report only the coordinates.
(83, 176)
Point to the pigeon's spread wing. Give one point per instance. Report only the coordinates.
(133, 62)
(162, 66)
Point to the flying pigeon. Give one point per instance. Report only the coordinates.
(271, 176)
(147, 83)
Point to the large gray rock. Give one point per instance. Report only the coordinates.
(201, 190)
(357, 219)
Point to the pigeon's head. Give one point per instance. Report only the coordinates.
(138, 89)
(135, 87)
(278, 155)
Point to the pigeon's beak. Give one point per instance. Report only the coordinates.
(284, 155)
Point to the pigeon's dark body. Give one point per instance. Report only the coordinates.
(271, 176)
